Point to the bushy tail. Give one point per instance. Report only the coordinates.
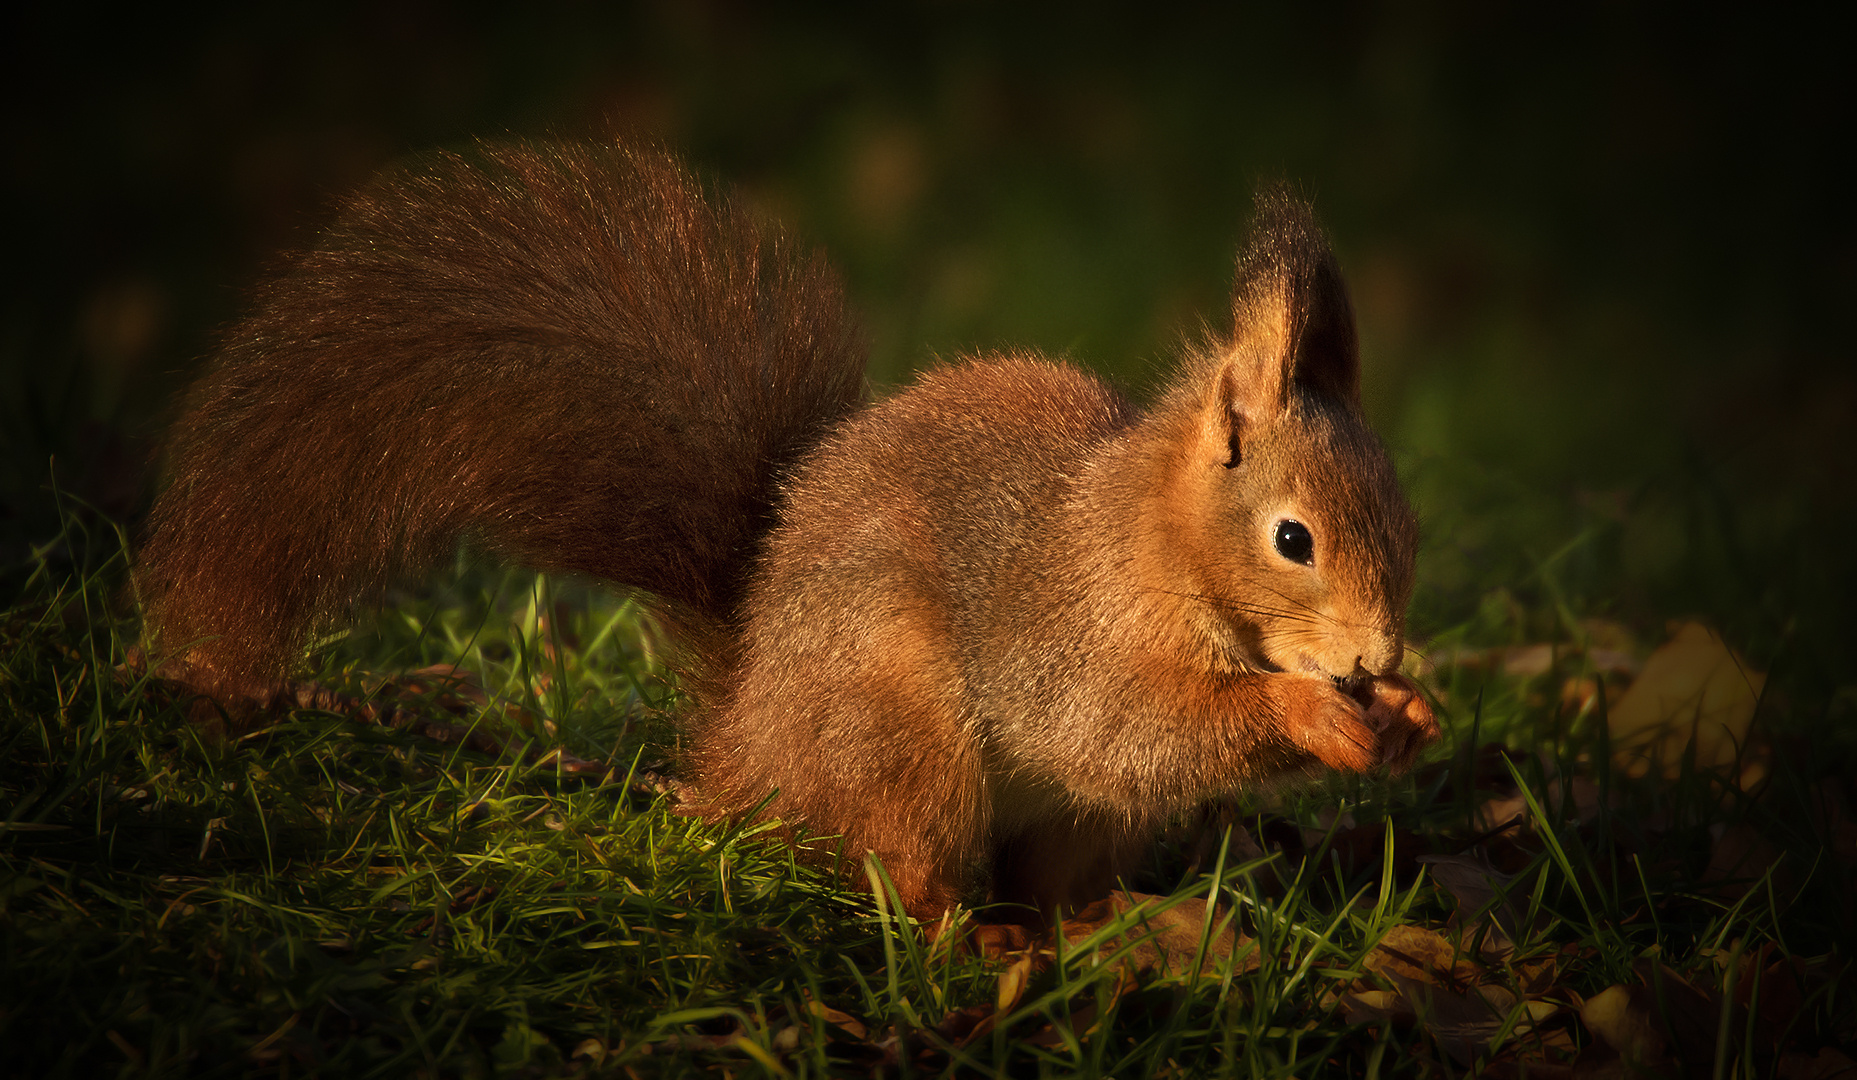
(571, 353)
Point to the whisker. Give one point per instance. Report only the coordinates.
(1298, 603)
(1324, 616)
(1307, 614)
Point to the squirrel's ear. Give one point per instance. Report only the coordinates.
(1293, 331)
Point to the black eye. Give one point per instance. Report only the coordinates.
(1294, 542)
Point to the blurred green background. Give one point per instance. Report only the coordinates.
(1601, 257)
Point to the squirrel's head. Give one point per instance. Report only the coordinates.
(1305, 545)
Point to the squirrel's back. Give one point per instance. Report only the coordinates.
(571, 353)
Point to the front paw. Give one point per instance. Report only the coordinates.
(1326, 724)
(1397, 709)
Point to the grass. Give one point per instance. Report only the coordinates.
(332, 897)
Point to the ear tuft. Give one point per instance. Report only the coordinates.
(1232, 412)
(1294, 326)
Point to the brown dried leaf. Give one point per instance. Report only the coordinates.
(1329, 821)
(1051, 1036)
(1481, 894)
(1366, 1006)
(1443, 989)
(1413, 952)
(844, 1021)
(1691, 1015)
(1536, 978)
(1465, 1023)
(1827, 1064)
(962, 1026)
(1166, 942)
(1834, 816)
(1774, 990)
(690, 1041)
(1738, 860)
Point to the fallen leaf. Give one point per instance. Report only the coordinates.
(1738, 860)
(1536, 978)
(844, 1021)
(962, 1026)
(1366, 1006)
(1529, 661)
(1624, 1025)
(1051, 1036)
(1693, 687)
(1691, 1014)
(1774, 989)
(1481, 894)
(1827, 1064)
(1831, 813)
(1166, 942)
(1507, 808)
(1661, 1022)
(1329, 822)
(1465, 1023)
(590, 1048)
(1012, 983)
(1444, 990)
(1413, 952)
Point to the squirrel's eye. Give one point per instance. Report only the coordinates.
(1294, 542)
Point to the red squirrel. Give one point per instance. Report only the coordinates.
(1001, 623)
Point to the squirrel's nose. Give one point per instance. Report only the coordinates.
(1381, 656)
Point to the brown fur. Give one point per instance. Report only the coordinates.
(1003, 622)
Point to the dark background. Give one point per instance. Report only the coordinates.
(1602, 258)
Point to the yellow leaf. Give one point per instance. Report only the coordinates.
(1692, 686)
(1012, 982)
(1610, 1015)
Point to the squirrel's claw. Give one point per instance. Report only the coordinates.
(1397, 709)
(1328, 725)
